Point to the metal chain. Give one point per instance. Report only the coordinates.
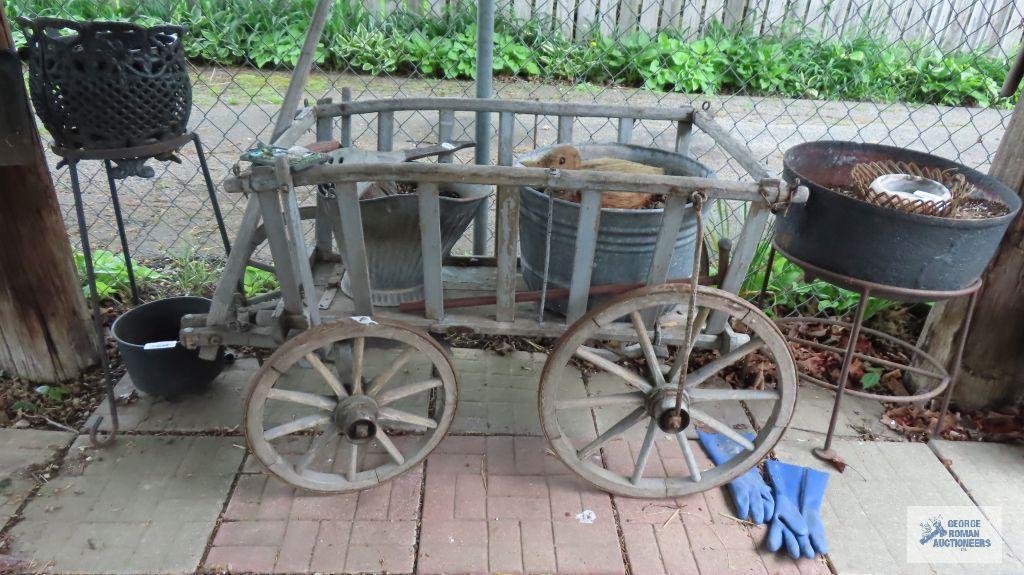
(697, 199)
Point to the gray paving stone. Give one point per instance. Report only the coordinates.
(814, 409)
(865, 510)
(144, 505)
(218, 408)
(993, 475)
(497, 393)
(24, 449)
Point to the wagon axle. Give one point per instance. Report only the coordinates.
(661, 404)
(356, 416)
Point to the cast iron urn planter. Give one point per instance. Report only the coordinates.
(107, 85)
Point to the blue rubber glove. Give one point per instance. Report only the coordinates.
(751, 496)
(797, 525)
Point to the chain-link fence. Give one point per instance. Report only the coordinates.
(923, 74)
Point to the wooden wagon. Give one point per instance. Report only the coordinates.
(353, 396)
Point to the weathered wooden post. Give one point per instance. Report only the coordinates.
(992, 374)
(45, 334)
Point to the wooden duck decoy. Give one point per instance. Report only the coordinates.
(567, 157)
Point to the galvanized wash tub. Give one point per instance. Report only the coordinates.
(391, 228)
(625, 239)
(842, 234)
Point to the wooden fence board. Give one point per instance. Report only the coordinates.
(990, 26)
(774, 16)
(954, 36)
(1010, 41)
(543, 9)
(586, 16)
(690, 16)
(563, 16)
(993, 26)
(625, 21)
(522, 9)
(669, 18)
(650, 10)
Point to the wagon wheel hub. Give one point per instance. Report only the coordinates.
(661, 404)
(356, 417)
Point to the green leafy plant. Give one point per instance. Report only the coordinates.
(788, 291)
(795, 64)
(872, 377)
(190, 273)
(258, 282)
(22, 405)
(54, 393)
(112, 274)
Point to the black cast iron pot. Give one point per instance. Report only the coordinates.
(147, 337)
(844, 235)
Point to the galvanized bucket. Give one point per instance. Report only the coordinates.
(625, 239)
(391, 230)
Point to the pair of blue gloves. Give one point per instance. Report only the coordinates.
(791, 507)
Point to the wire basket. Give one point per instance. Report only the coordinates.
(866, 174)
(101, 85)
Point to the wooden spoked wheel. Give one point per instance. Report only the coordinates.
(615, 428)
(350, 404)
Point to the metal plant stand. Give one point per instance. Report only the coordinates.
(119, 93)
(946, 379)
(119, 164)
(122, 163)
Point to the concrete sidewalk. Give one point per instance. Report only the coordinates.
(177, 494)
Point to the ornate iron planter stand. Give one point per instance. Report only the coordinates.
(130, 162)
(945, 379)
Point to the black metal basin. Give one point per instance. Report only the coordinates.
(147, 337)
(99, 85)
(847, 236)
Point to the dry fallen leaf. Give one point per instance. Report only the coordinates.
(838, 463)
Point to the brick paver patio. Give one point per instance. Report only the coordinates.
(491, 499)
(270, 526)
(502, 504)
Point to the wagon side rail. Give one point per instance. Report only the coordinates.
(677, 189)
(743, 252)
(763, 192)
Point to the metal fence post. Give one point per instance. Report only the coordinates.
(484, 75)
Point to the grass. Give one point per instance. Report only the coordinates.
(237, 88)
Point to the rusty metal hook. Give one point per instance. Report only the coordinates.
(114, 423)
